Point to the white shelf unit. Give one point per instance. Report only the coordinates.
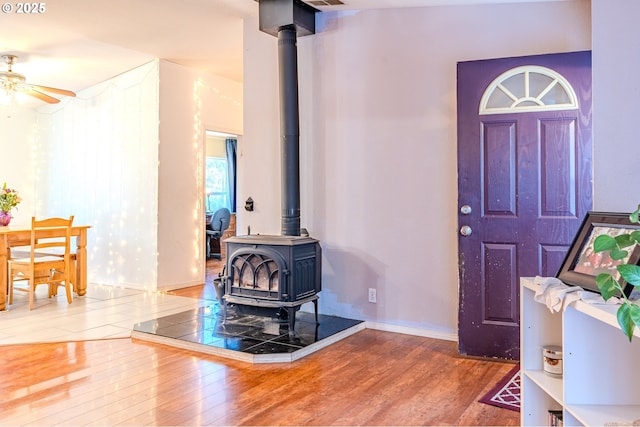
(601, 378)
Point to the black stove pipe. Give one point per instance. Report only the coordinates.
(289, 130)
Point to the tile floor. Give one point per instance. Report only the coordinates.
(104, 312)
(111, 312)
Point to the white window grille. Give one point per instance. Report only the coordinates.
(526, 89)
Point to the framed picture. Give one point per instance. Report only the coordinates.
(582, 264)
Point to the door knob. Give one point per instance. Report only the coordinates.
(465, 209)
(465, 230)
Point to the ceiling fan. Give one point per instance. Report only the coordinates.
(11, 81)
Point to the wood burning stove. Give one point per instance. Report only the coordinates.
(279, 272)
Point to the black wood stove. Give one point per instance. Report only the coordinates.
(280, 272)
(273, 272)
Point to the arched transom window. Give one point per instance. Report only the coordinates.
(528, 88)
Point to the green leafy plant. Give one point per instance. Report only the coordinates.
(618, 247)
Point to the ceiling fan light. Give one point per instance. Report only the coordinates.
(12, 77)
(7, 98)
(7, 87)
(13, 82)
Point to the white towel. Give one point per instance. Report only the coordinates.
(557, 296)
(553, 292)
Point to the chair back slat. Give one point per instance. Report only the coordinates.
(51, 233)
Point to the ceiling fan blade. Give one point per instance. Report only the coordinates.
(41, 96)
(52, 90)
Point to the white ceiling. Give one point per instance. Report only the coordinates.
(75, 44)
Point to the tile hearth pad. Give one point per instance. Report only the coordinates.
(247, 337)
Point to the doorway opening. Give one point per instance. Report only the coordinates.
(219, 189)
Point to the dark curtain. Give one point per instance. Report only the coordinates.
(231, 166)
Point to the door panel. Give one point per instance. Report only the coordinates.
(499, 168)
(558, 168)
(499, 275)
(527, 178)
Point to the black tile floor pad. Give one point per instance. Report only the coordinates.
(244, 335)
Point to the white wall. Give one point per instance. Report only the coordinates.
(616, 89)
(96, 157)
(215, 146)
(190, 103)
(258, 174)
(16, 158)
(378, 145)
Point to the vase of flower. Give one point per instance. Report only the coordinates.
(9, 199)
(5, 218)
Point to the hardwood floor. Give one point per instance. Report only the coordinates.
(370, 378)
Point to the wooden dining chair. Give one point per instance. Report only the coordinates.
(52, 234)
(72, 264)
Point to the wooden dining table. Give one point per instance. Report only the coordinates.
(14, 236)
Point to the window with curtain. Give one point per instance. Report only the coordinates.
(217, 184)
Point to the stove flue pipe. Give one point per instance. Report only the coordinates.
(286, 20)
(289, 130)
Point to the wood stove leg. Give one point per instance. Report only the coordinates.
(224, 311)
(315, 307)
(291, 311)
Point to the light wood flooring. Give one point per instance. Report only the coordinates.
(370, 378)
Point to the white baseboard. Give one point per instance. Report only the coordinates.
(412, 331)
(165, 288)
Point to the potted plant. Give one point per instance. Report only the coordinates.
(618, 247)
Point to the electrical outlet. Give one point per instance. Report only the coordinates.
(372, 295)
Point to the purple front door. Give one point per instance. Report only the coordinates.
(524, 185)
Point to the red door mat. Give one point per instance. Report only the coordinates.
(506, 393)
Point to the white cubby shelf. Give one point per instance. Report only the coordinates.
(601, 368)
